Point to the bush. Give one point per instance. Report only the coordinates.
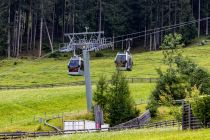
(99, 54)
(15, 63)
(170, 83)
(65, 55)
(24, 57)
(201, 109)
(181, 75)
(39, 128)
(200, 105)
(194, 75)
(55, 55)
(203, 42)
(152, 106)
(176, 112)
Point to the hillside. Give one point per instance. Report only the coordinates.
(21, 109)
(23, 72)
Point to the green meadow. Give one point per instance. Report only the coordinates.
(25, 72)
(22, 109)
(19, 107)
(145, 134)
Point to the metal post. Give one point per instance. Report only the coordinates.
(183, 113)
(199, 17)
(86, 58)
(189, 116)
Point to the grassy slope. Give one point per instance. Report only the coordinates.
(48, 71)
(146, 134)
(24, 104)
(21, 105)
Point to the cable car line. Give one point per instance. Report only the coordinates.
(161, 29)
(192, 21)
(123, 60)
(168, 28)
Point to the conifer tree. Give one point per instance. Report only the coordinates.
(121, 106)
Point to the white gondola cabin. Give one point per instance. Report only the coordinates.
(124, 61)
(76, 66)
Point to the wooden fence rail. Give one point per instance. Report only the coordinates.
(130, 80)
(189, 121)
(16, 135)
(141, 120)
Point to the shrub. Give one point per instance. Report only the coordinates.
(181, 75)
(65, 55)
(203, 42)
(15, 63)
(24, 57)
(55, 55)
(152, 106)
(176, 112)
(171, 45)
(201, 109)
(200, 105)
(39, 128)
(170, 83)
(99, 54)
(194, 75)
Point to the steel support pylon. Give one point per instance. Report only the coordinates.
(88, 42)
(86, 58)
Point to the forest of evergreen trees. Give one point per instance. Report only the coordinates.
(25, 25)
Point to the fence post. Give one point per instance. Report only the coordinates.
(178, 125)
(189, 117)
(45, 115)
(62, 118)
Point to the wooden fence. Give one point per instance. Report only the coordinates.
(16, 135)
(189, 121)
(130, 80)
(141, 120)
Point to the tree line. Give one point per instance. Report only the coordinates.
(36, 26)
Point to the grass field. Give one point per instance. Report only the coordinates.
(49, 71)
(20, 105)
(18, 108)
(145, 134)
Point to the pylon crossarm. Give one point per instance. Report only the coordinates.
(90, 41)
(84, 33)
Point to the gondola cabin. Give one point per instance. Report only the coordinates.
(76, 66)
(124, 61)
